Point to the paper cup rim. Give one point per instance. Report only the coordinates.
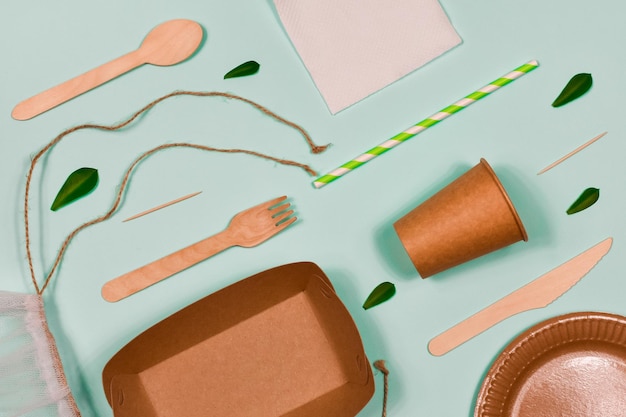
(512, 209)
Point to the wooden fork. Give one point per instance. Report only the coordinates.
(247, 229)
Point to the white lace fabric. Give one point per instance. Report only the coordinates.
(32, 381)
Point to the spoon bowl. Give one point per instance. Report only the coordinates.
(171, 42)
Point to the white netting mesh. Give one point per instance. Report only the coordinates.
(32, 382)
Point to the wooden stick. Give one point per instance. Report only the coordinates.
(169, 203)
(580, 148)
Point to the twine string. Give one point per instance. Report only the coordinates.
(380, 365)
(314, 149)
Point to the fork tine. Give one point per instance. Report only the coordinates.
(281, 226)
(278, 209)
(271, 203)
(282, 216)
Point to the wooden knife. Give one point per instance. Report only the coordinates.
(536, 294)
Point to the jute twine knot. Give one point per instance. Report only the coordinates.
(319, 148)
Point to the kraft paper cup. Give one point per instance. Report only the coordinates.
(470, 217)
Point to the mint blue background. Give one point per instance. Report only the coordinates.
(346, 228)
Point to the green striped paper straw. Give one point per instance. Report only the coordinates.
(425, 124)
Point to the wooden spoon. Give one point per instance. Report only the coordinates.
(169, 43)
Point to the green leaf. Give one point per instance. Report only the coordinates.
(586, 199)
(78, 184)
(380, 294)
(576, 87)
(247, 68)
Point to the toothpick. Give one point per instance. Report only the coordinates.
(580, 148)
(169, 203)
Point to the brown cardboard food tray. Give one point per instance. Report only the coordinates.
(279, 343)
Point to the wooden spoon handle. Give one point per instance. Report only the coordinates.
(134, 281)
(61, 93)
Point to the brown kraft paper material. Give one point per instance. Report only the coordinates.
(468, 218)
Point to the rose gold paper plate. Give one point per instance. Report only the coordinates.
(572, 365)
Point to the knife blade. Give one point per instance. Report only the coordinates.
(536, 294)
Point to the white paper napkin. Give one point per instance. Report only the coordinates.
(353, 48)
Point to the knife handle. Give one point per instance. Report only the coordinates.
(472, 326)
